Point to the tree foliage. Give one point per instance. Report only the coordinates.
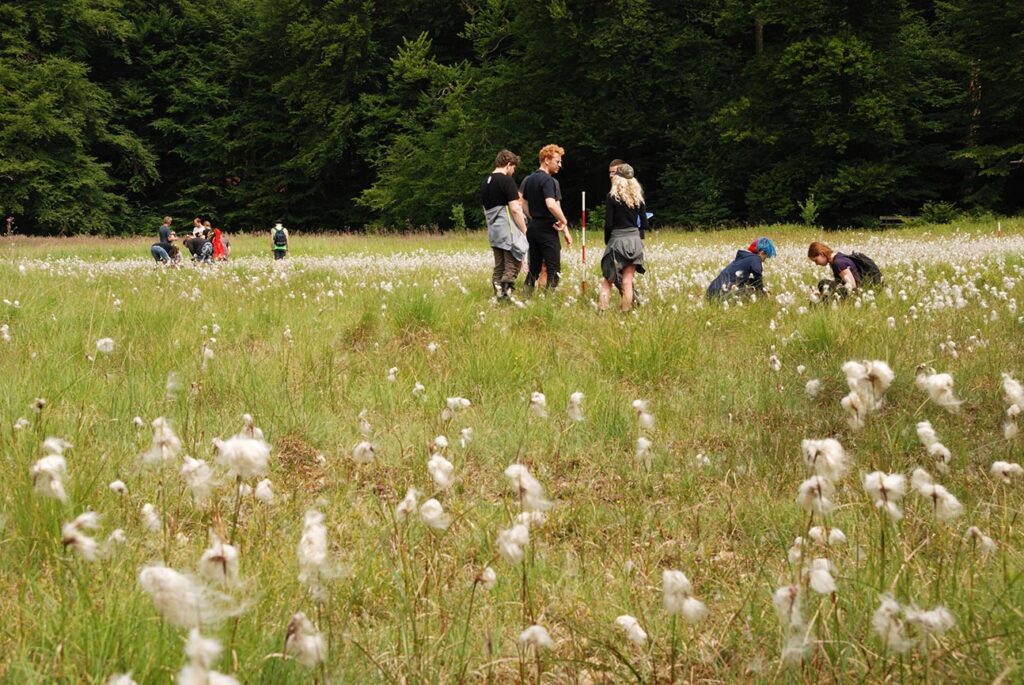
(343, 113)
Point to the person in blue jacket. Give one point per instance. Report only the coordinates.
(745, 274)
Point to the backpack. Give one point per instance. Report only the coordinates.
(870, 274)
(280, 240)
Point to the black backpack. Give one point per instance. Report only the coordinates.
(280, 238)
(870, 274)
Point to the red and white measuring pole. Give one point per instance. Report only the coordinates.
(583, 244)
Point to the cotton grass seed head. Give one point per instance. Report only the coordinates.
(1006, 471)
(536, 636)
(434, 516)
(634, 633)
(304, 642)
(826, 458)
(539, 405)
(243, 456)
(527, 488)
(512, 541)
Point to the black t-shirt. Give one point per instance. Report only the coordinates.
(537, 188)
(498, 189)
(165, 234)
(619, 215)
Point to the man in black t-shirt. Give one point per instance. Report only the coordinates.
(506, 226)
(164, 232)
(547, 221)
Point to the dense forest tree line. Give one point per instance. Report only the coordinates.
(347, 113)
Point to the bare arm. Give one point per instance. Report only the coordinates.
(517, 214)
(555, 207)
(525, 207)
(846, 276)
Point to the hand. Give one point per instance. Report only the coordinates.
(568, 238)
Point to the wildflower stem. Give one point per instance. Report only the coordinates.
(465, 632)
(672, 650)
(238, 508)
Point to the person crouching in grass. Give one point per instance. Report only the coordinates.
(846, 274)
(745, 275)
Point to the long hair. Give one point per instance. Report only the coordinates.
(817, 248)
(627, 191)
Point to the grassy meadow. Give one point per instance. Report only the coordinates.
(329, 349)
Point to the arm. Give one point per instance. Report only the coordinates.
(608, 205)
(561, 223)
(846, 276)
(524, 207)
(516, 208)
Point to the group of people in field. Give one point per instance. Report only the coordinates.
(206, 243)
(528, 222)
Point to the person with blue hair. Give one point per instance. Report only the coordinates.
(744, 276)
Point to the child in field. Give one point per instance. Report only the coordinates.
(744, 276)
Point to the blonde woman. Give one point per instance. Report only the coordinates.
(625, 220)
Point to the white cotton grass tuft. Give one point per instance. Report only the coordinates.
(465, 437)
(440, 470)
(199, 477)
(634, 632)
(536, 636)
(138, 422)
(643, 451)
(931, 622)
(532, 518)
(831, 538)
(184, 601)
(105, 345)
(1010, 427)
(796, 551)
(243, 456)
(364, 422)
(856, 409)
(315, 566)
(575, 408)
(678, 599)
(418, 389)
(979, 541)
(151, 520)
(1006, 471)
(1013, 391)
(74, 535)
(539, 405)
(118, 487)
(936, 450)
(434, 516)
(886, 490)
(869, 380)
(528, 488)
(452, 406)
(787, 601)
(264, 491)
(643, 414)
(392, 374)
(815, 495)
(939, 387)
(813, 387)
(219, 563)
(820, 576)
(408, 504)
(305, 642)
(250, 429)
(165, 445)
(440, 443)
(945, 506)
(202, 653)
(826, 458)
(889, 626)
(512, 541)
(48, 476)
(121, 679)
(487, 578)
(364, 452)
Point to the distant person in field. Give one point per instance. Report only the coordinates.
(164, 232)
(220, 247)
(547, 221)
(279, 240)
(745, 275)
(506, 225)
(10, 224)
(850, 272)
(613, 166)
(542, 279)
(166, 251)
(197, 226)
(625, 219)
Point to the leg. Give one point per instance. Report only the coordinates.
(499, 268)
(606, 293)
(508, 277)
(553, 260)
(627, 287)
(535, 260)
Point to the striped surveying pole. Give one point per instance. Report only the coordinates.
(583, 244)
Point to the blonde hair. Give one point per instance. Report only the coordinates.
(627, 191)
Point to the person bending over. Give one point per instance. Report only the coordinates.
(625, 219)
(846, 274)
(745, 275)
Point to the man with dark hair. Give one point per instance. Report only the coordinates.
(506, 226)
(164, 232)
(547, 220)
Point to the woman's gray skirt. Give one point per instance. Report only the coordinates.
(624, 248)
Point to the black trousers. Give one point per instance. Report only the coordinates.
(546, 249)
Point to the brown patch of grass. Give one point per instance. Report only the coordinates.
(299, 464)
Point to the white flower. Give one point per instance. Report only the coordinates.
(55, 446)
(855, 405)
(48, 477)
(392, 374)
(219, 563)
(199, 478)
(528, 488)
(886, 490)
(694, 610)
(440, 443)
(249, 428)
(453, 405)
(418, 389)
(933, 622)
(440, 470)
(532, 518)
(202, 653)
(821, 580)
(825, 457)
(465, 437)
(945, 506)
(364, 422)
(813, 387)
(407, 505)
(121, 679)
(432, 347)
(165, 445)
(138, 422)
(364, 452)
(800, 368)
(304, 642)
(575, 408)
(926, 434)
(815, 495)
(22, 423)
(183, 601)
(979, 539)
(512, 541)
(675, 588)
(939, 387)
(265, 491)
(432, 514)
(1013, 390)
(73, 535)
(536, 637)
(890, 628)
(643, 416)
(787, 603)
(539, 405)
(314, 563)
(643, 451)
(1005, 470)
(774, 363)
(796, 551)
(119, 487)
(833, 537)
(487, 578)
(151, 519)
(105, 345)
(244, 457)
(631, 626)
